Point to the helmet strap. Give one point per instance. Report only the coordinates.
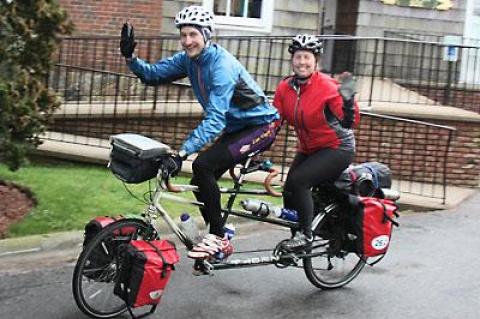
(205, 32)
(302, 80)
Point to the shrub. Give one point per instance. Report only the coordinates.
(29, 35)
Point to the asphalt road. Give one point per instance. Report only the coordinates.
(431, 271)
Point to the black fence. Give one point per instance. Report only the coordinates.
(97, 104)
(400, 71)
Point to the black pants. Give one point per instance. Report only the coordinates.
(307, 171)
(212, 163)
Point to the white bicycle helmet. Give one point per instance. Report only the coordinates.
(306, 42)
(195, 15)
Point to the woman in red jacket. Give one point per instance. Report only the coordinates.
(323, 114)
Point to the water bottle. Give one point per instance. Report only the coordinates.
(189, 227)
(287, 214)
(258, 207)
(229, 230)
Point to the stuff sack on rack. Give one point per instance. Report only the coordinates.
(366, 179)
(373, 220)
(101, 255)
(145, 271)
(134, 158)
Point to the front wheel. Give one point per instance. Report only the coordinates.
(97, 267)
(331, 269)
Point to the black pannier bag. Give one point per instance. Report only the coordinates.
(366, 179)
(134, 158)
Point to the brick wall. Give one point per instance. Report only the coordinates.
(413, 152)
(463, 165)
(419, 150)
(105, 17)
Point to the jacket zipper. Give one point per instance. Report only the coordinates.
(304, 126)
(203, 93)
(295, 111)
(295, 114)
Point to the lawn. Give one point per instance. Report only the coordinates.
(70, 194)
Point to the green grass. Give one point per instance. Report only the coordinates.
(70, 194)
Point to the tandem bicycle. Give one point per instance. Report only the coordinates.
(327, 264)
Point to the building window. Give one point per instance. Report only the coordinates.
(251, 15)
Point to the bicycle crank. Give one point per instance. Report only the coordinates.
(285, 258)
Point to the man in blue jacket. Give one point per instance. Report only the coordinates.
(236, 111)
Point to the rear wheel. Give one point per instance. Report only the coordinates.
(97, 267)
(333, 268)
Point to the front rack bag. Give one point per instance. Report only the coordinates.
(134, 157)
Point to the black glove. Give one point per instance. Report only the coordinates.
(174, 165)
(347, 90)
(348, 86)
(127, 41)
(348, 113)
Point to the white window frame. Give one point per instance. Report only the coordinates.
(261, 25)
(470, 70)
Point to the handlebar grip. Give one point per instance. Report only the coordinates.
(172, 188)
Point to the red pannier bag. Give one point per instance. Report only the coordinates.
(145, 271)
(98, 223)
(100, 257)
(373, 223)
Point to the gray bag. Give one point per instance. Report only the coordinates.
(135, 158)
(366, 179)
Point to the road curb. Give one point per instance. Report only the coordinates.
(73, 239)
(40, 243)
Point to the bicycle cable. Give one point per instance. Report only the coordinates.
(133, 195)
(149, 193)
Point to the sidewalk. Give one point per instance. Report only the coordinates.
(74, 148)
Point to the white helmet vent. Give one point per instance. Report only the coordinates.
(195, 15)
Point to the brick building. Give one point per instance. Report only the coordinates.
(105, 18)
(403, 67)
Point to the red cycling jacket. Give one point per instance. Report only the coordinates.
(315, 109)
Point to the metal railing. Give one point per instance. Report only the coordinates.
(389, 70)
(106, 103)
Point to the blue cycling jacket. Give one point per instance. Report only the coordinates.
(230, 97)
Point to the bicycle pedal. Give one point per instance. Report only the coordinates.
(202, 267)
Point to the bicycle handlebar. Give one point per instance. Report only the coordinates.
(267, 183)
(173, 188)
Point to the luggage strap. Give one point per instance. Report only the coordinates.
(164, 262)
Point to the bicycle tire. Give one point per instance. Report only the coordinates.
(331, 271)
(93, 287)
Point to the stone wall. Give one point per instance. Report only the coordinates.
(375, 17)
